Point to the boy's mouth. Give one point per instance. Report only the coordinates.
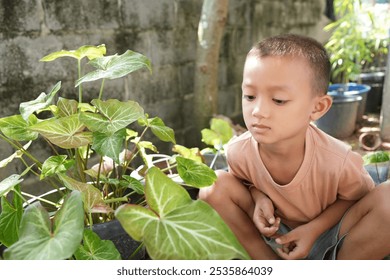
(260, 128)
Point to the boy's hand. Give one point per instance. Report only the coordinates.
(263, 215)
(296, 244)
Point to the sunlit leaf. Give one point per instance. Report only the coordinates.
(176, 227)
(115, 66)
(66, 132)
(163, 132)
(113, 115)
(84, 51)
(8, 184)
(42, 102)
(16, 128)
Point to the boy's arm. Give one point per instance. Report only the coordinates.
(298, 242)
(263, 214)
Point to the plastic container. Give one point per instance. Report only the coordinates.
(340, 120)
(352, 89)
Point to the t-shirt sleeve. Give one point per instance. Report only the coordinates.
(354, 181)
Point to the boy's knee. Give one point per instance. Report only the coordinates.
(220, 189)
(382, 200)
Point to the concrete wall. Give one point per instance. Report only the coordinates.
(163, 30)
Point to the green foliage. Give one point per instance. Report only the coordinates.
(357, 38)
(198, 231)
(80, 133)
(376, 157)
(40, 240)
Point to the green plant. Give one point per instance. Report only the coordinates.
(166, 220)
(358, 38)
(216, 137)
(376, 157)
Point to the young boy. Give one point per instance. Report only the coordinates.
(292, 191)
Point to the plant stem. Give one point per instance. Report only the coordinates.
(101, 90)
(80, 87)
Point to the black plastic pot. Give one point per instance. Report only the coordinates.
(374, 98)
(126, 246)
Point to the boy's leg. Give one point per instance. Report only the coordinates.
(368, 226)
(232, 200)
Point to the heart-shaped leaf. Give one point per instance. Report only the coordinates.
(42, 102)
(92, 197)
(10, 217)
(195, 173)
(163, 132)
(176, 227)
(54, 165)
(109, 145)
(66, 107)
(66, 132)
(219, 134)
(84, 51)
(94, 248)
(113, 115)
(16, 128)
(191, 153)
(38, 240)
(115, 66)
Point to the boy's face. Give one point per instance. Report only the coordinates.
(278, 98)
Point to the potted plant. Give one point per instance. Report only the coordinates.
(154, 210)
(348, 51)
(358, 44)
(377, 165)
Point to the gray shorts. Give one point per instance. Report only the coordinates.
(324, 248)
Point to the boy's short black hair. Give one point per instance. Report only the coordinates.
(297, 45)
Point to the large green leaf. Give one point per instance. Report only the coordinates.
(113, 115)
(42, 102)
(94, 248)
(115, 66)
(16, 128)
(10, 217)
(176, 227)
(109, 145)
(40, 240)
(196, 174)
(66, 132)
(84, 51)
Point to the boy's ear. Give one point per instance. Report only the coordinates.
(322, 105)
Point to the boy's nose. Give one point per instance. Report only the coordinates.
(261, 109)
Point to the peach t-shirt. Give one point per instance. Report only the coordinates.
(329, 170)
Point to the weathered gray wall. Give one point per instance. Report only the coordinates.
(164, 30)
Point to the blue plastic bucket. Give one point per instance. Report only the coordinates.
(352, 89)
(340, 120)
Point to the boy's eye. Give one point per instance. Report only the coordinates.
(279, 101)
(249, 97)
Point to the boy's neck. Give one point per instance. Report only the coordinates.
(285, 150)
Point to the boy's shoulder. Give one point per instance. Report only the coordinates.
(327, 143)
